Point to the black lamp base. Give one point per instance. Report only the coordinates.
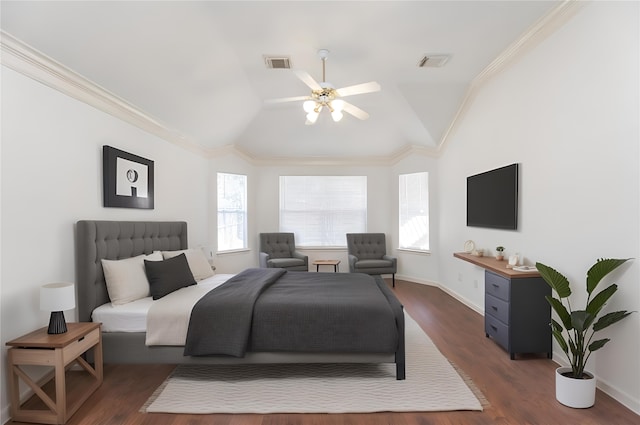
(57, 325)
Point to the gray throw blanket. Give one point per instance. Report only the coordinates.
(271, 310)
(220, 321)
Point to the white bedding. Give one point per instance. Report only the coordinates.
(132, 317)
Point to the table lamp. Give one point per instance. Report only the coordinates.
(57, 297)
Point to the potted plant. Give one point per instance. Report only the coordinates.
(499, 253)
(575, 332)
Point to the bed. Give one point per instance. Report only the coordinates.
(117, 240)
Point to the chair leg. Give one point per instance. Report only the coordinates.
(393, 279)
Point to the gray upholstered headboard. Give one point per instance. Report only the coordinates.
(116, 240)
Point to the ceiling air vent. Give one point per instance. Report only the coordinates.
(280, 62)
(433, 61)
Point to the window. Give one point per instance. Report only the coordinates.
(414, 211)
(321, 210)
(232, 212)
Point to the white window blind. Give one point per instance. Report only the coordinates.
(232, 212)
(321, 210)
(414, 211)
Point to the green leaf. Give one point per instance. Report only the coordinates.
(555, 279)
(596, 345)
(561, 341)
(561, 311)
(609, 319)
(555, 326)
(581, 320)
(596, 304)
(600, 269)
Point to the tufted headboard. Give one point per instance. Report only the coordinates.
(116, 240)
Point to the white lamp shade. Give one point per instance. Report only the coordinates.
(57, 297)
(312, 117)
(336, 115)
(337, 105)
(309, 106)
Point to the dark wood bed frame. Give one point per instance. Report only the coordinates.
(115, 240)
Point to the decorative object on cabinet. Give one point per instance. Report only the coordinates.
(513, 260)
(127, 179)
(499, 253)
(56, 298)
(469, 246)
(580, 326)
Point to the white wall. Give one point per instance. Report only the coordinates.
(571, 120)
(52, 177)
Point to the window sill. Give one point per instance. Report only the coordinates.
(321, 248)
(414, 251)
(232, 251)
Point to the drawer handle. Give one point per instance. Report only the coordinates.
(495, 285)
(494, 308)
(494, 328)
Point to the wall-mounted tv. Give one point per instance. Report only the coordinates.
(492, 198)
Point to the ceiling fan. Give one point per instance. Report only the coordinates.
(324, 95)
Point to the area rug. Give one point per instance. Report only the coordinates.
(432, 384)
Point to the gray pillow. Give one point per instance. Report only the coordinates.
(168, 275)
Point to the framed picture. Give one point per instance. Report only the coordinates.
(127, 179)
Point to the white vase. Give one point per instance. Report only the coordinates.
(577, 393)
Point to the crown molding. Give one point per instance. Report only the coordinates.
(533, 36)
(29, 62)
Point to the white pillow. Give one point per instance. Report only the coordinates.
(126, 279)
(200, 267)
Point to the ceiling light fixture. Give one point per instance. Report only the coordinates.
(325, 96)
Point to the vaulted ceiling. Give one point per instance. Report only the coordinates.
(198, 68)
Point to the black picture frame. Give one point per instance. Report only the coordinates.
(127, 179)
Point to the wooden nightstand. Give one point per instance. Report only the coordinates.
(59, 351)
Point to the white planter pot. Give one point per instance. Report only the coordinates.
(578, 393)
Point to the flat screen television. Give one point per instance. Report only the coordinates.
(492, 198)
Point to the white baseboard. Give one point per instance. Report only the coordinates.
(463, 300)
(558, 357)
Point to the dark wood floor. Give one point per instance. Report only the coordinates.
(519, 391)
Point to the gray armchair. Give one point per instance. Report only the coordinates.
(368, 254)
(279, 250)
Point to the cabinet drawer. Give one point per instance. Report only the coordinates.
(497, 330)
(497, 308)
(497, 286)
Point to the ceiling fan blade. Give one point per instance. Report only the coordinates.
(355, 111)
(369, 87)
(307, 79)
(286, 99)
